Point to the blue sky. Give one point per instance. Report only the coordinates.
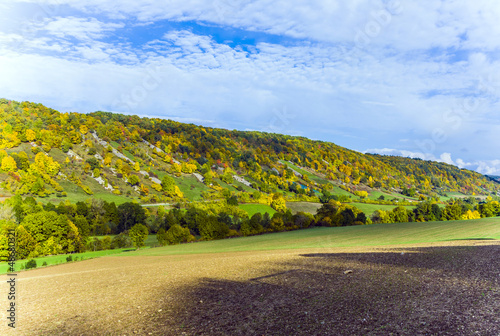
(411, 78)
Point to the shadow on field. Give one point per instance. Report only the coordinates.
(468, 262)
(458, 239)
(426, 291)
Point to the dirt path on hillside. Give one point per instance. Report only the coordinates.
(434, 289)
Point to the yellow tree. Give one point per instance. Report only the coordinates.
(84, 129)
(9, 164)
(108, 159)
(471, 215)
(137, 166)
(176, 169)
(30, 135)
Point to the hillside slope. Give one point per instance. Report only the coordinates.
(118, 157)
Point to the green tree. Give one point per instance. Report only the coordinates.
(452, 212)
(25, 244)
(399, 215)
(133, 180)
(53, 233)
(129, 214)
(120, 241)
(233, 200)
(177, 234)
(211, 228)
(161, 236)
(138, 234)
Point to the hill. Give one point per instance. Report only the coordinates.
(51, 155)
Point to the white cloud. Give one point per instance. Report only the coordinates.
(446, 158)
(486, 167)
(80, 28)
(353, 72)
(401, 152)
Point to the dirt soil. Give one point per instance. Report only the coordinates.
(433, 289)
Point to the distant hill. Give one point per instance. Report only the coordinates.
(53, 155)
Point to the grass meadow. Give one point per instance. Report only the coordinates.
(318, 237)
(350, 236)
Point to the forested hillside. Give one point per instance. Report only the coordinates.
(47, 153)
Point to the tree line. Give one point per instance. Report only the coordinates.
(49, 229)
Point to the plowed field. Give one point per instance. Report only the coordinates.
(425, 289)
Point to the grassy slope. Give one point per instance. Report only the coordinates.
(311, 176)
(252, 209)
(389, 196)
(370, 235)
(191, 187)
(369, 209)
(61, 258)
(309, 207)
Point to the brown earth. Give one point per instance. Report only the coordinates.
(428, 289)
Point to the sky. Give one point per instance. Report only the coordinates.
(410, 78)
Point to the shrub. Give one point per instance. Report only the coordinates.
(177, 234)
(30, 264)
(94, 245)
(106, 243)
(161, 236)
(44, 263)
(120, 241)
(211, 228)
(69, 258)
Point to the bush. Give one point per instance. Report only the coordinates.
(30, 264)
(211, 229)
(106, 243)
(87, 189)
(232, 201)
(69, 258)
(161, 236)
(121, 241)
(94, 245)
(177, 234)
(44, 263)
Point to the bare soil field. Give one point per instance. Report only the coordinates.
(428, 289)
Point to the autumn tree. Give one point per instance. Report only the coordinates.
(177, 234)
(9, 164)
(138, 234)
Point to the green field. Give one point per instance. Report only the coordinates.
(191, 187)
(389, 196)
(351, 236)
(151, 240)
(309, 207)
(369, 209)
(76, 194)
(321, 237)
(252, 209)
(61, 258)
(339, 191)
